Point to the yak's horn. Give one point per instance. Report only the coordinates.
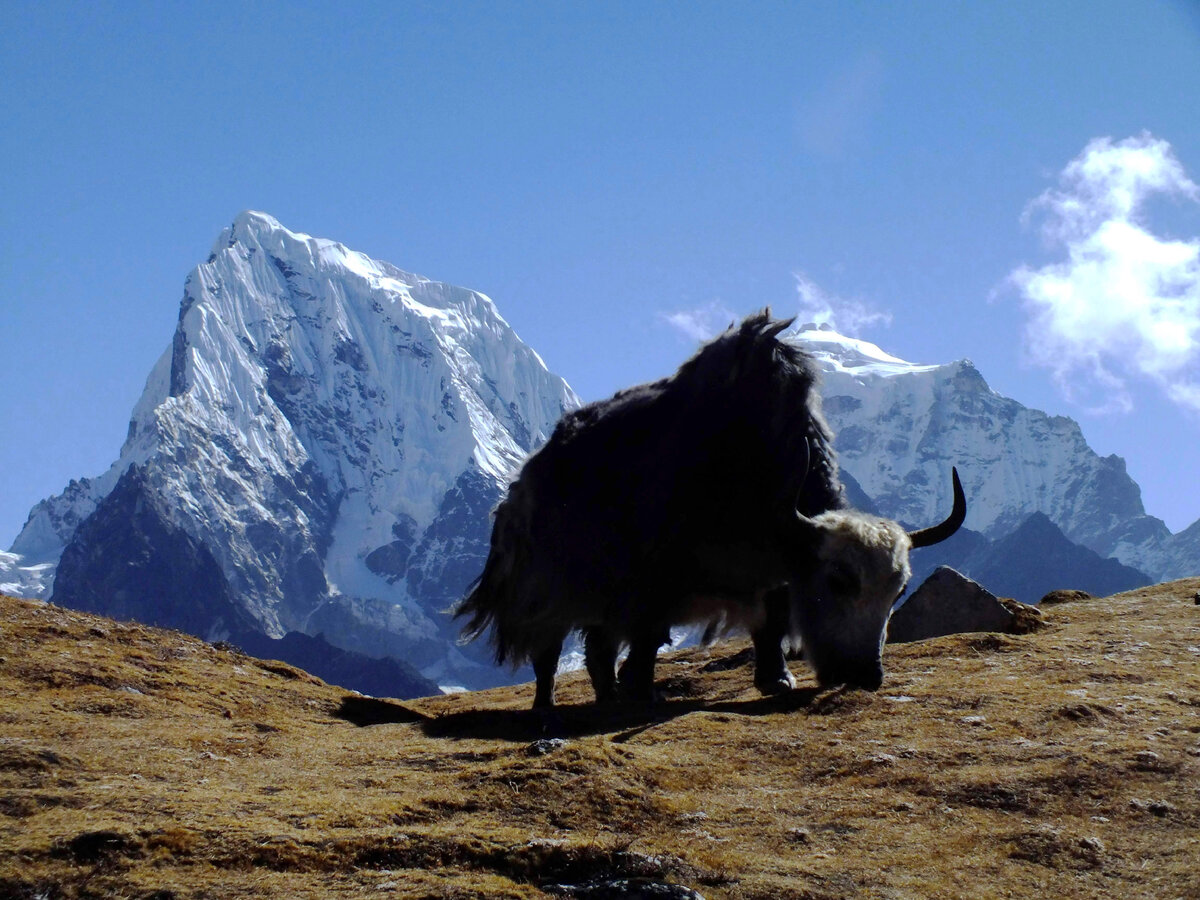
(805, 463)
(777, 326)
(938, 533)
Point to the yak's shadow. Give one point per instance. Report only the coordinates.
(622, 720)
(362, 711)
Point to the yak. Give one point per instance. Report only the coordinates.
(711, 496)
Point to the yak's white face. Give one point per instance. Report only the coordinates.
(841, 602)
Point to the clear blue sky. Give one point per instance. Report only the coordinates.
(595, 168)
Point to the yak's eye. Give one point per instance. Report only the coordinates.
(843, 581)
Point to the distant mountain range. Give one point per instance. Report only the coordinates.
(1044, 510)
(900, 427)
(318, 450)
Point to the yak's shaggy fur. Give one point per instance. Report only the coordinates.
(671, 502)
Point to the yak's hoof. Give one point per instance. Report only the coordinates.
(779, 684)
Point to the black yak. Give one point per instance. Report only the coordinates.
(711, 496)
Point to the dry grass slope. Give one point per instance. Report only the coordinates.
(143, 763)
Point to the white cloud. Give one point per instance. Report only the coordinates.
(837, 117)
(816, 305)
(848, 317)
(1124, 303)
(701, 323)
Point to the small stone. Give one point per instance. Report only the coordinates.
(800, 836)
(542, 746)
(1148, 760)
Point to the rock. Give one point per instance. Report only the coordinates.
(1147, 761)
(1064, 597)
(1026, 618)
(625, 889)
(1160, 808)
(93, 846)
(543, 746)
(949, 603)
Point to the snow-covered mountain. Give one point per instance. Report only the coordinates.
(320, 446)
(331, 431)
(900, 427)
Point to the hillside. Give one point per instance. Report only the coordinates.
(136, 762)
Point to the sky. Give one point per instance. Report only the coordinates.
(1011, 182)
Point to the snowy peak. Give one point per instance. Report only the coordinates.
(846, 355)
(331, 429)
(900, 427)
(279, 313)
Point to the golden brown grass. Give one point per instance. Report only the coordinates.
(136, 762)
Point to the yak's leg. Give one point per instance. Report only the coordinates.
(600, 655)
(637, 672)
(771, 675)
(545, 666)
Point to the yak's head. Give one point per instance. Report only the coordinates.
(855, 568)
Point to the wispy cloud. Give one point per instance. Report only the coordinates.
(848, 317)
(1124, 303)
(701, 323)
(837, 117)
(815, 305)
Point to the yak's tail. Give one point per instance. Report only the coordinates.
(483, 609)
(494, 599)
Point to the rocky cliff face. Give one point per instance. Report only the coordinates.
(317, 451)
